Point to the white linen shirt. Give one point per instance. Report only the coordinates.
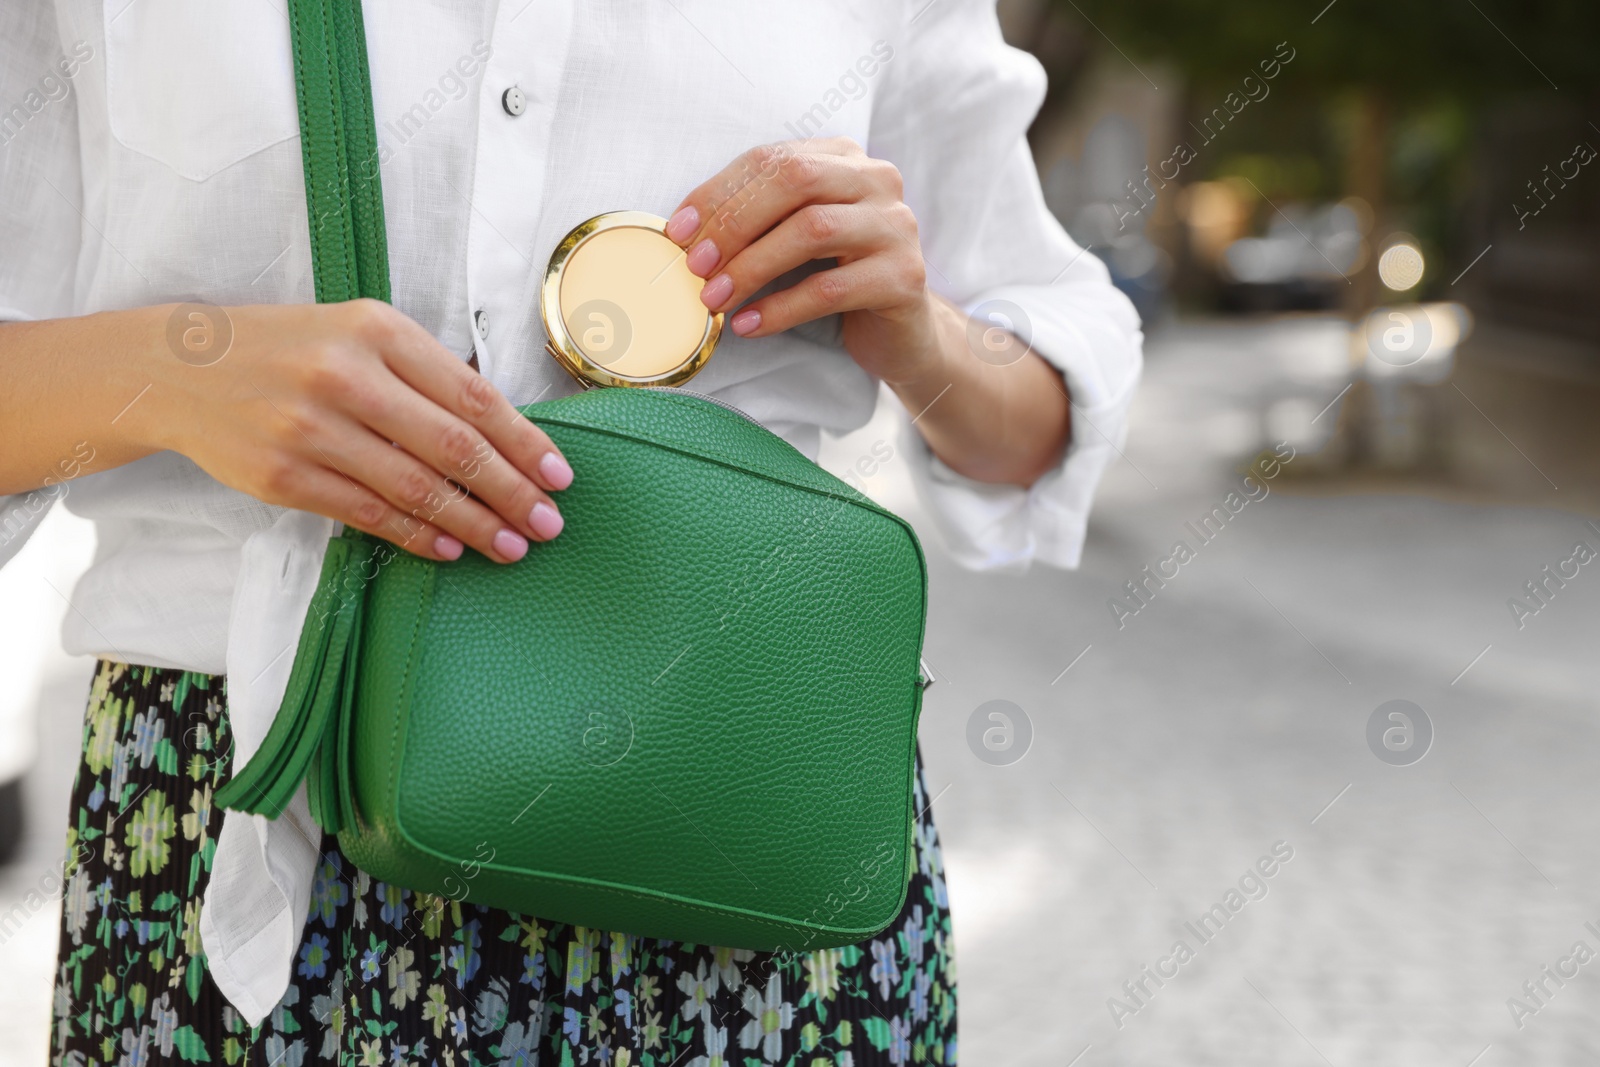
(149, 152)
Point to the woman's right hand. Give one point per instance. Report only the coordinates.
(354, 411)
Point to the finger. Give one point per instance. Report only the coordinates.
(759, 164)
(772, 191)
(865, 284)
(421, 492)
(327, 492)
(429, 368)
(846, 232)
(455, 449)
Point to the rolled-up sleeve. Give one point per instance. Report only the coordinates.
(40, 213)
(953, 115)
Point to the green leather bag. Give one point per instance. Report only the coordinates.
(692, 715)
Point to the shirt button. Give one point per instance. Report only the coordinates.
(514, 101)
(480, 319)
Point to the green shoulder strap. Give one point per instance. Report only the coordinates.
(339, 145)
(350, 259)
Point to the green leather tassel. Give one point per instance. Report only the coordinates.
(340, 741)
(330, 787)
(306, 736)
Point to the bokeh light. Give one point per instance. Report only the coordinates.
(1401, 266)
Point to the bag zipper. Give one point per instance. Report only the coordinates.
(702, 396)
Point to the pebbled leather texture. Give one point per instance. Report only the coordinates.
(692, 715)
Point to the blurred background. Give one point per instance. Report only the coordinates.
(1365, 241)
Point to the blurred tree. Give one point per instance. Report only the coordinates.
(1382, 54)
(1459, 48)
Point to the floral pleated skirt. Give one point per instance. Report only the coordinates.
(387, 976)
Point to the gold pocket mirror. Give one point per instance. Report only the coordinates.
(621, 307)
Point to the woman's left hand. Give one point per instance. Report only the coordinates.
(782, 205)
(777, 207)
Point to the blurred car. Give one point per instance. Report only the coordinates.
(1301, 264)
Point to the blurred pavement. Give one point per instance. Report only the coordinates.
(1232, 710)
(1225, 717)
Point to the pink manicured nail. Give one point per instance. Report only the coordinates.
(448, 546)
(703, 258)
(745, 322)
(717, 291)
(556, 470)
(510, 545)
(682, 225)
(545, 520)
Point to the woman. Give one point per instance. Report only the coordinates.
(153, 162)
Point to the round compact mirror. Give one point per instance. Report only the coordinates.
(621, 307)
